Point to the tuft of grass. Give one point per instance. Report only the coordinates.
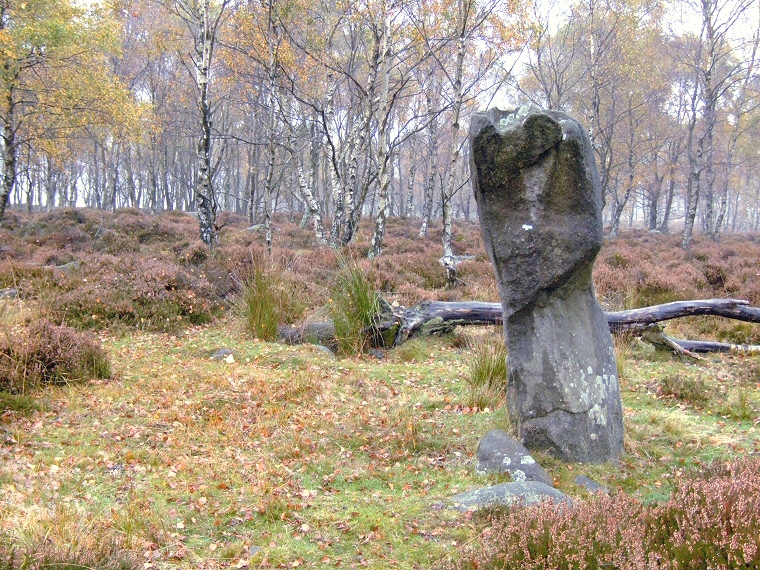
(268, 298)
(354, 308)
(738, 333)
(738, 405)
(24, 405)
(487, 379)
(693, 391)
(66, 540)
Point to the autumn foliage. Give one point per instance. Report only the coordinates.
(152, 272)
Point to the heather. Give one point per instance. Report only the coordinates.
(288, 456)
(711, 520)
(45, 353)
(156, 273)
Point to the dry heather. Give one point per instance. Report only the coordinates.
(711, 521)
(45, 353)
(150, 272)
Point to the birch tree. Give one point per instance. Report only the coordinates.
(714, 70)
(203, 21)
(54, 79)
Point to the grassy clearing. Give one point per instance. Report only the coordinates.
(289, 457)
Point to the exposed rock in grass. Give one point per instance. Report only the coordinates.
(499, 452)
(590, 485)
(509, 494)
(221, 354)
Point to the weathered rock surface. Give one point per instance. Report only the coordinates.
(508, 494)
(9, 293)
(499, 452)
(590, 485)
(221, 354)
(540, 204)
(69, 268)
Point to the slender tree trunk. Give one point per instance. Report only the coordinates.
(204, 191)
(273, 42)
(674, 152)
(428, 188)
(409, 207)
(312, 207)
(464, 9)
(693, 179)
(383, 150)
(620, 204)
(9, 152)
(351, 204)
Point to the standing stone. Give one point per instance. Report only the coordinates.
(540, 207)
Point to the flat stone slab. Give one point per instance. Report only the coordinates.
(590, 485)
(507, 495)
(498, 452)
(221, 354)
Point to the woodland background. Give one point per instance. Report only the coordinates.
(334, 111)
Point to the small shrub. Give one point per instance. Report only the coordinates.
(354, 307)
(712, 520)
(45, 353)
(116, 243)
(715, 275)
(195, 254)
(692, 391)
(153, 294)
(617, 260)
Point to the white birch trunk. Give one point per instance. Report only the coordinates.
(383, 151)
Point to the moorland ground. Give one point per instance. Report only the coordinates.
(288, 456)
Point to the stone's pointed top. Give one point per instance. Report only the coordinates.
(539, 198)
(507, 119)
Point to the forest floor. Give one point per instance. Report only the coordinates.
(287, 457)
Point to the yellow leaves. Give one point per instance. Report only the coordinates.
(58, 56)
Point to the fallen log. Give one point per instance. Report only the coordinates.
(438, 317)
(634, 319)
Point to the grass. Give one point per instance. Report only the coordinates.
(268, 298)
(354, 308)
(291, 458)
(487, 379)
